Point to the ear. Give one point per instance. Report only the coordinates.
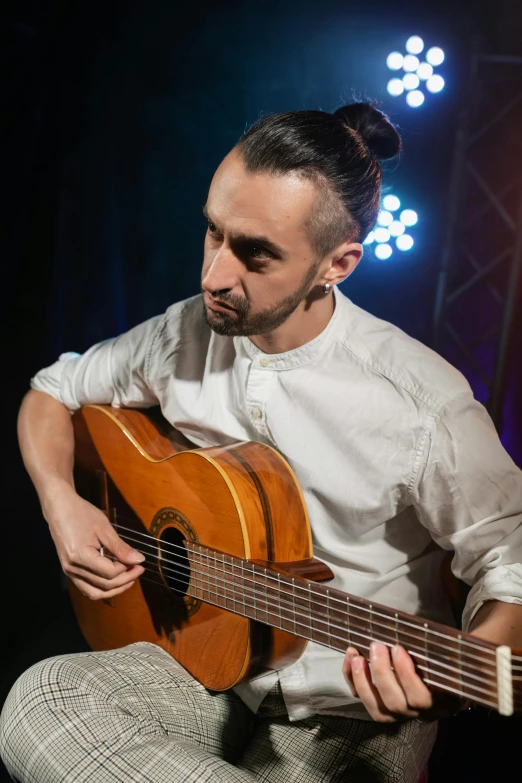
(343, 261)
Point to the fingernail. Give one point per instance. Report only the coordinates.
(137, 556)
(375, 650)
(357, 663)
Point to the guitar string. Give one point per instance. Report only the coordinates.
(450, 689)
(243, 603)
(158, 544)
(211, 582)
(359, 645)
(291, 609)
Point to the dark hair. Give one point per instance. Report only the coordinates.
(341, 152)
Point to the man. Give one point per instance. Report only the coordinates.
(396, 460)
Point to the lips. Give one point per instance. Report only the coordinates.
(215, 304)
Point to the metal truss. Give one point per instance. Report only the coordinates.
(481, 266)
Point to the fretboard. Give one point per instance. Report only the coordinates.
(445, 658)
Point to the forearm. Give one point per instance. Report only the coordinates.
(46, 440)
(499, 622)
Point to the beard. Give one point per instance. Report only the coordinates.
(243, 323)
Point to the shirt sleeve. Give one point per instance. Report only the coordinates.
(468, 494)
(113, 372)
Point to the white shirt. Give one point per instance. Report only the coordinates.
(396, 460)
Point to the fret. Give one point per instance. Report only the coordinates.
(348, 633)
(328, 632)
(426, 649)
(371, 624)
(396, 628)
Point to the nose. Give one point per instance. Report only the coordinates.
(222, 273)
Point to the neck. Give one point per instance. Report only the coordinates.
(306, 323)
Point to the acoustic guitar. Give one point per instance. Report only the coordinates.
(231, 587)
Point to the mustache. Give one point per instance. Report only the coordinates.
(239, 304)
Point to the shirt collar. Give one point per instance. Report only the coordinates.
(289, 360)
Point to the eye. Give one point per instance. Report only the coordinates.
(257, 252)
(211, 228)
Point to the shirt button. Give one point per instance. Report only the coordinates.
(257, 413)
(264, 362)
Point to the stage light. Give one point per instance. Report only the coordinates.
(383, 251)
(415, 98)
(382, 235)
(414, 44)
(395, 87)
(414, 71)
(385, 218)
(410, 81)
(435, 83)
(396, 228)
(435, 56)
(409, 217)
(391, 227)
(424, 71)
(391, 203)
(394, 61)
(410, 62)
(405, 242)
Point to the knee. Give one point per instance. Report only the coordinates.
(34, 708)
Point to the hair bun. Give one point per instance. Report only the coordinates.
(379, 134)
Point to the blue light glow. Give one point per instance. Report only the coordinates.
(405, 242)
(394, 61)
(396, 228)
(395, 87)
(410, 62)
(414, 44)
(435, 83)
(435, 56)
(383, 251)
(424, 71)
(410, 81)
(385, 218)
(415, 98)
(391, 203)
(409, 217)
(382, 235)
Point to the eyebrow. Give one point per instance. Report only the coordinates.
(243, 239)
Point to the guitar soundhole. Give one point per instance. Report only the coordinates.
(173, 560)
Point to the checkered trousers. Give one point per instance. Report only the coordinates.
(134, 715)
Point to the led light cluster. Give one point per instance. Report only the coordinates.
(416, 73)
(391, 228)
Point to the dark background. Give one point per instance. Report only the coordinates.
(114, 117)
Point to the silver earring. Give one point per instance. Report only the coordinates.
(326, 288)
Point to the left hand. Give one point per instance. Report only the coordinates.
(391, 694)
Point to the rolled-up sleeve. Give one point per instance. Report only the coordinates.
(468, 494)
(113, 372)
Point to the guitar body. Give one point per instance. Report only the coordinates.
(241, 499)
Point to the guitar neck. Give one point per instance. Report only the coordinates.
(447, 659)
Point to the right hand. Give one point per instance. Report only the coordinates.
(79, 529)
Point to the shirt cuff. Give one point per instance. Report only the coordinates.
(503, 583)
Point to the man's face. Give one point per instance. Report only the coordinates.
(258, 263)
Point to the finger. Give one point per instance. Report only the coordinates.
(89, 560)
(95, 594)
(121, 550)
(417, 694)
(128, 575)
(351, 653)
(385, 681)
(368, 693)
